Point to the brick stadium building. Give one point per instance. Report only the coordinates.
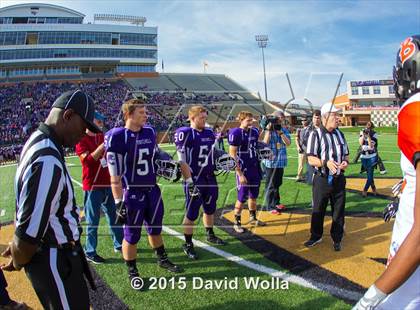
(365, 101)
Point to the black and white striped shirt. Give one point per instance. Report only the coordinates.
(327, 146)
(46, 208)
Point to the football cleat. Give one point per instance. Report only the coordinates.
(238, 228)
(189, 250)
(215, 240)
(165, 263)
(253, 221)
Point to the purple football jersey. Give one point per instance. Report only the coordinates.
(131, 155)
(246, 141)
(196, 148)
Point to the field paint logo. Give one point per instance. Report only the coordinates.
(407, 49)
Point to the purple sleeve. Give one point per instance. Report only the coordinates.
(235, 137)
(182, 138)
(114, 146)
(114, 140)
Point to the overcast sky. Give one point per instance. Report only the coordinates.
(313, 41)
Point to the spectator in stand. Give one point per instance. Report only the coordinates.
(97, 189)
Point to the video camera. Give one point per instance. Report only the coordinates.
(270, 119)
(367, 131)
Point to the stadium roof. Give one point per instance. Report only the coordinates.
(18, 10)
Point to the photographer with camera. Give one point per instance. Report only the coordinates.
(278, 138)
(368, 141)
(380, 163)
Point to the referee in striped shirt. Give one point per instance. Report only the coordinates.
(47, 237)
(328, 153)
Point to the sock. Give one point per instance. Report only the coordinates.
(209, 231)
(188, 239)
(132, 267)
(131, 263)
(238, 219)
(253, 213)
(160, 252)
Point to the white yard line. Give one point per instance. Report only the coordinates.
(269, 271)
(8, 165)
(264, 269)
(77, 182)
(11, 165)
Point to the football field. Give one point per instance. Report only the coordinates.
(223, 277)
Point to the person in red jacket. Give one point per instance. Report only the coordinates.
(97, 191)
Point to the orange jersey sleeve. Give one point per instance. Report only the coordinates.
(409, 129)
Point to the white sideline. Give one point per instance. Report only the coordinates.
(269, 271)
(10, 165)
(351, 295)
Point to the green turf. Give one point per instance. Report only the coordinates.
(211, 266)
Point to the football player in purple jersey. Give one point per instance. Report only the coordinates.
(195, 148)
(131, 158)
(243, 142)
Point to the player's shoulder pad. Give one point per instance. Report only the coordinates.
(234, 131)
(150, 128)
(184, 129)
(208, 129)
(117, 131)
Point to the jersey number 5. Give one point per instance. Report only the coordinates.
(203, 156)
(143, 163)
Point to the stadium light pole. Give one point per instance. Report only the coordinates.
(262, 41)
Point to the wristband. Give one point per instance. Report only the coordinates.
(189, 180)
(118, 200)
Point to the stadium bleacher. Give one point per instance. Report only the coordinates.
(24, 104)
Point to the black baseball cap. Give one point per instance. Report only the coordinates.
(81, 103)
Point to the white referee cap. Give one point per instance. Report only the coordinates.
(328, 108)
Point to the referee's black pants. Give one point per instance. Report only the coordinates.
(57, 278)
(4, 296)
(273, 181)
(322, 193)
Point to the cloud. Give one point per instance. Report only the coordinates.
(312, 41)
